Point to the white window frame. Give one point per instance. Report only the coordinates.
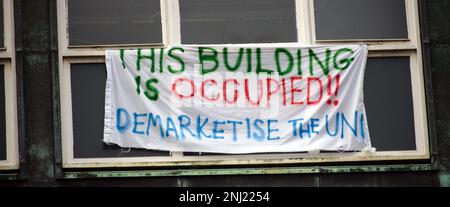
(7, 59)
(306, 36)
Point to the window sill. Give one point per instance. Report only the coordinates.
(251, 171)
(10, 176)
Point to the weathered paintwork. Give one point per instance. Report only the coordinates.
(37, 66)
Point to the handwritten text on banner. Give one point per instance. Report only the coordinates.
(237, 100)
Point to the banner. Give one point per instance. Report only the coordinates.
(237, 99)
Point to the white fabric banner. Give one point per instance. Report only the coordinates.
(237, 100)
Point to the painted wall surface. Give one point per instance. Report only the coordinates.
(439, 45)
(39, 114)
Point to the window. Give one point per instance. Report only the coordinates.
(393, 40)
(106, 22)
(9, 156)
(376, 20)
(224, 22)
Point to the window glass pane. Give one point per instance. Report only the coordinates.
(237, 21)
(2, 115)
(2, 32)
(388, 134)
(88, 103)
(106, 22)
(389, 104)
(360, 19)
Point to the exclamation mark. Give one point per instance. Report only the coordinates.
(334, 92)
